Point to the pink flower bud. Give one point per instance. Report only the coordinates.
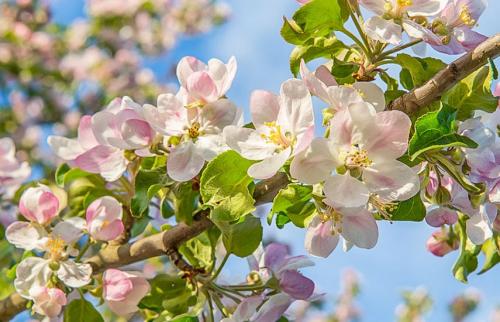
(441, 216)
(48, 301)
(104, 219)
(440, 245)
(39, 204)
(122, 291)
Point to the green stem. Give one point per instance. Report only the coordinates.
(244, 287)
(359, 43)
(221, 266)
(362, 34)
(211, 317)
(84, 249)
(226, 292)
(398, 49)
(219, 304)
(456, 174)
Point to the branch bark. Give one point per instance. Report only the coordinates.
(445, 79)
(159, 244)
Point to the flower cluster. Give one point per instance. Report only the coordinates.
(444, 24)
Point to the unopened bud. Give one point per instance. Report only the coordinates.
(441, 244)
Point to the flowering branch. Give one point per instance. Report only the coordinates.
(151, 246)
(446, 78)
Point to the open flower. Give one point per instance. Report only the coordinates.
(88, 154)
(366, 144)
(198, 132)
(104, 219)
(39, 204)
(35, 272)
(394, 16)
(345, 214)
(451, 32)
(274, 262)
(338, 97)
(202, 83)
(122, 291)
(48, 301)
(12, 172)
(121, 125)
(284, 126)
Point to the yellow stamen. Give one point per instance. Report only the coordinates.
(55, 247)
(194, 130)
(357, 158)
(384, 208)
(404, 3)
(466, 17)
(333, 215)
(275, 135)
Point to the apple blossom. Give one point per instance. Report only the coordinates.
(86, 153)
(198, 132)
(284, 126)
(451, 32)
(35, 272)
(338, 97)
(121, 125)
(12, 171)
(366, 144)
(204, 83)
(39, 204)
(394, 16)
(122, 291)
(48, 301)
(440, 243)
(104, 219)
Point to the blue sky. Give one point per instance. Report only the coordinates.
(399, 260)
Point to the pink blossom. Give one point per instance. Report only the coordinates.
(39, 204)
(104, 219)
(12, 171)
(204, 83)
(88, 154)
(48, 301)
(441, 216)
(284, 126)
(440, 245)
(121, 125)
(122, 291)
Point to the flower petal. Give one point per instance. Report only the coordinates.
(383, 30)
(25, 235)
(268, 167)
(345, 191)
(74, 274)
(320, 240)
(32, 272)
(316, 163)
(184, 162)
(296, 285)
(359, 227)
(264, 107)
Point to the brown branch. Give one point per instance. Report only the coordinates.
(164, 243)
(456, 71)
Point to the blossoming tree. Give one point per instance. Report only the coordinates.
(151, 201)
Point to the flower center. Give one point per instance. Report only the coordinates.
(357, 158)
(275, 135)
(404, 3)
(55, 247)
(466, 17)
(194, 130)
(384, 208)
(336, 217)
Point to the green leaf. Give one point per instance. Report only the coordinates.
(344, 71)
(416, 71)
(243, 237)
(491, 253)
(437, 130)
(185, 202)
(412, 209)
(473, 93)
(467, 261)
(81, 311)
(315, 19)
(147, 184)
(185, 319)
(315, 48)
(64, 174)
(294, 203)
(224, 187)
(200, 250)
(170, 293)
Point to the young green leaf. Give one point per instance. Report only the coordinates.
(437, 130)
(81, 311)
(243, 237)
(224, 187)
(293, 203)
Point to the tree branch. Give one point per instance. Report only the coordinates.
(164, 243)
(445, 79)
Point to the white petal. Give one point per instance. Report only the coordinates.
(359, 227)
(248, 143)
(345, 191)
(184, 162)
(371, 93)
(268, 167)
(25, 235)
(32, 272)
(296, 113)
(478, 228)
(320, 240)
(316, 163)
(383, 30)
(70, 230)
(74, 274)
(66, 149)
